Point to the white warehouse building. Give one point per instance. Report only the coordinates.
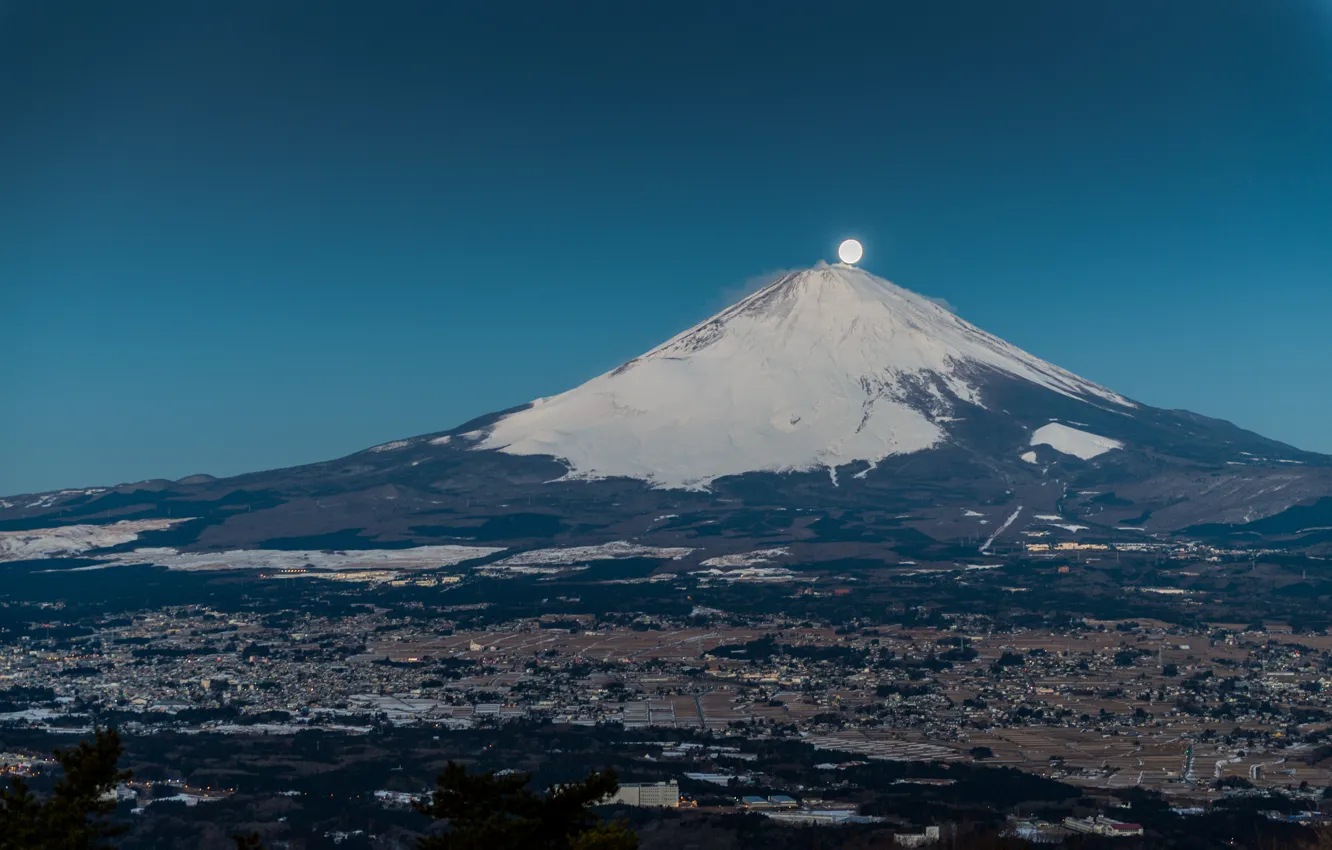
(648, 794)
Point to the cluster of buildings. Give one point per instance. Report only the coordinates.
(1101, 704)
(1102, 825)
(1184, 550)
(779, 807)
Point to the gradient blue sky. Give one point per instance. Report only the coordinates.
(251, 234)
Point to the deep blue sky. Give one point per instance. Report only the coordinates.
(252, 233)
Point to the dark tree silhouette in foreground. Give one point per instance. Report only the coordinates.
(74, 816)
(489, 812)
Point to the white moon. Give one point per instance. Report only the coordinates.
(850, 252)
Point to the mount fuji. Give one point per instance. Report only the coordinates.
(820, 369)
(831, 411)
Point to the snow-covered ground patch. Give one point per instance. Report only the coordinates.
(972, 513)
(1071, 441)
(31, 715)
(497, 571)
(190, 800)
(48, 500)
(441, 441)
(1056, 521)
(416, 558)
(579, 554)
(388, 447)
(746, 559)
(69, 541)
(759, 574)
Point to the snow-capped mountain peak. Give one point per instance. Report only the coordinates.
(820, 368)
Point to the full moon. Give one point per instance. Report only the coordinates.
(850, 252)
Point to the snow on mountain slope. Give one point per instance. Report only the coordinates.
(821, 368)
(72, 540)
(416, 558)
(614, 550)
(1071, 441)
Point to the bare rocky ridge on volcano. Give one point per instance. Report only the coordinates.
(831, 413)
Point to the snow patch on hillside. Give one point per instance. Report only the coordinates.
(1071, 441)
(49, 500)
(746, 559)
(1056, 521)
(579, 554)
(69, 541)
(747, 574)
(985, 547)
(415, 558)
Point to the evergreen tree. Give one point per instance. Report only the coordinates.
(73, 817)
(489, 812)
